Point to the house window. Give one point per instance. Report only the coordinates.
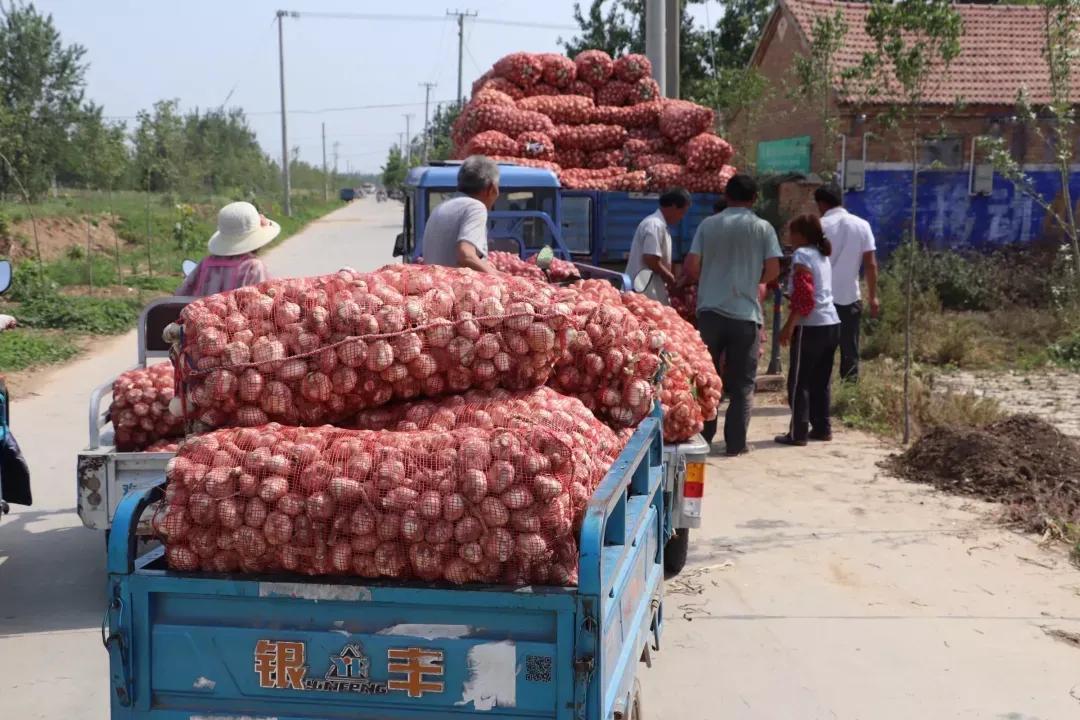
(943, 151)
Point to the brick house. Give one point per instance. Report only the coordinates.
(1001, 52)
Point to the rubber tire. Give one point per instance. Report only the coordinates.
(636, 711)
(675, 552)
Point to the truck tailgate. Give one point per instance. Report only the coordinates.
(305, 650)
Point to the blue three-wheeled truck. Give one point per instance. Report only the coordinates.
(199, 646)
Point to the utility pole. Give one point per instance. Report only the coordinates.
(655, 34)
(285, 179)
(408, 139)
(674, 28)
(427, 131)
(325, 179)
(461, 15)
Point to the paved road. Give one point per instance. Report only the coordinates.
(52, 569)
(818, 588)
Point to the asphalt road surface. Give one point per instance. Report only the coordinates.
(817, 587)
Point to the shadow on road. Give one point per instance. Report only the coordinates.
(52, 579)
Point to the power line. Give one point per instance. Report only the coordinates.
(318, 111)
(427, 18)
(522, 23)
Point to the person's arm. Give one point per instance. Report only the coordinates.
(802, 300)
(188, 286)
(870, 267)
(654, 263)
(468, 257)
(771, 269)
(472, 240)
(691, 268)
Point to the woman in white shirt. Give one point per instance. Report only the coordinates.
(813, 331)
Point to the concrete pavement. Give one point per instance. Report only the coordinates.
(52, 569)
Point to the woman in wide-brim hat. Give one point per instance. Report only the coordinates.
(241, 232)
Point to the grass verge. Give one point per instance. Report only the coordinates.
(22, 349)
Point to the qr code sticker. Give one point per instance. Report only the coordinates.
(538, 668)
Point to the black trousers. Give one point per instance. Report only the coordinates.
(810, 378)
(850, 317)
(736, 342)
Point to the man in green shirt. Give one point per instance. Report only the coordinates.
(732, 253)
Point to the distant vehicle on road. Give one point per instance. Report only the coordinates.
(368, 188)
(348, 194)
(380, 196)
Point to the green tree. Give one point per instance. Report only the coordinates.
(96, 155)
(41, 94)
(441, 123)
(914, 43)
(159, 147)
(395, 169)
(815, 78)
(1061, 30)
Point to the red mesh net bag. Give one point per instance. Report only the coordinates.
(511, 264)
(166, 445)
(536, 145)
(691, 387)
(479, 488)
(559, 70)
(632, 181)
(316, 350)
(590, 179)
(664, 175)
(684, 301)
(491, 142)
(594, 67)
(645, 90)
(559, 270)
(140, 407)
(562, 109)
(580, 87)
(490, 96)
(707, 181)
(570, 158)
(510, 121)
(707, 152)
(589, 137)
(614, 92)
(648, 160)
(521, 68)
(541, 89)
(604, 158)
(681, 120)
(527, 162)
(611, 361)
(499, 84)
(632, 67)
(642, 115)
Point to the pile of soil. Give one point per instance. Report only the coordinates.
(1021, 461)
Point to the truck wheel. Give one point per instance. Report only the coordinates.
(675, 552)
(636, 713)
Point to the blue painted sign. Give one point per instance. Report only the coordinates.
(947, 216)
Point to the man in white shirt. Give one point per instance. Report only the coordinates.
(852, 251)
(456, 231)
(651, 247)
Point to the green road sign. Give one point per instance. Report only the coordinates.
(787, 155)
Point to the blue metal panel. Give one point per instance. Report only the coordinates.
(947, 216)
(184, 644)
(621, 212)
(510, 176)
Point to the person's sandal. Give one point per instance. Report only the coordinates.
(787, 439)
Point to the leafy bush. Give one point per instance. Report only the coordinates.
(21, 349)
(104, 316)
(1066, 351)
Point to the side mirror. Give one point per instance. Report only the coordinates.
(187, 266)
(642, 280)
(399, 245)
(5, 275)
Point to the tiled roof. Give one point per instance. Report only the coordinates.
(1001, 50)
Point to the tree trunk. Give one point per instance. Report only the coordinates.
(910, 282)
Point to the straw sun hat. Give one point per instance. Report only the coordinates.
(241, 229)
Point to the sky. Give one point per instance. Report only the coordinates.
(209, 53)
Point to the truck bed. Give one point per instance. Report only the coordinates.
(194, 645)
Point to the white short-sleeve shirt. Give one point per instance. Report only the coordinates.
(650, 238)
(851, 237)
(460, 219)
(824, 312)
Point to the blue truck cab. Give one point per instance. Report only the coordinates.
(598, 225)
(201, 645)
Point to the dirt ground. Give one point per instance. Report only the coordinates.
(57, 235)
(1053, 395)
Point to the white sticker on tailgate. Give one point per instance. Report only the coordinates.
(313, 591)
(492, 676)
